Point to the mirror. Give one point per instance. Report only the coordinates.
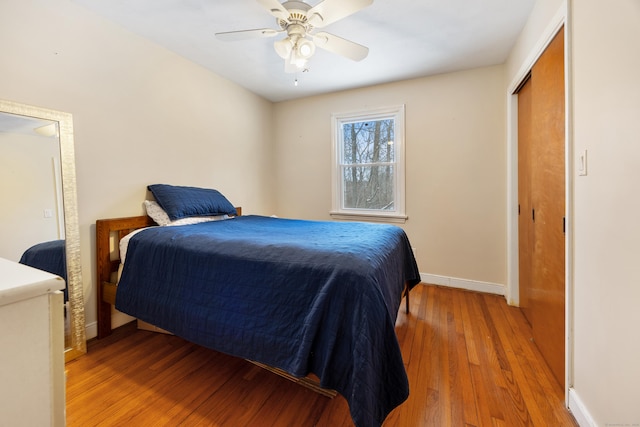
(38, 190)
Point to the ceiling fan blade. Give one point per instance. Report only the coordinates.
(330, 11)
(275, 8)
(247, 34)
(335, 44)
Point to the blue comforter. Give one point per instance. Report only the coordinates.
(303, 296)
(50, 257)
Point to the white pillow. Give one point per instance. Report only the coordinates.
(155, 211)
(124, 244)
(197, 219)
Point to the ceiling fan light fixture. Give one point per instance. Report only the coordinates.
(283, 47)
(297, 61)
(305, 48)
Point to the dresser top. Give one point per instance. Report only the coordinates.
(19, 282)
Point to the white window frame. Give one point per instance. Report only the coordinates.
(338, 211)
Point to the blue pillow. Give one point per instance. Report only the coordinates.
(182, 202)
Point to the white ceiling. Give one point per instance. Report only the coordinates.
(17, 124)
(406, 39)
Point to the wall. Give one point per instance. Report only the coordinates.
(28, 160)
(542, 15)
(455, 168)
(141, 114)
(604, 120)
(606, 111)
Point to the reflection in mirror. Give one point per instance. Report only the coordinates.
(39, 222)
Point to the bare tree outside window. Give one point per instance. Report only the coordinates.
(368, 165)
(368, 157)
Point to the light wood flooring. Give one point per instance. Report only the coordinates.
(468, 355)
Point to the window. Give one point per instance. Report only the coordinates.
(368, 166)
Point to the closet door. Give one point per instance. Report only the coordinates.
(542, 264)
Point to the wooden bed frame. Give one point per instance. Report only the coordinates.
(109, 232)
(107, 264)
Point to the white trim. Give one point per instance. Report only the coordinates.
(471, 285)
(91, 330)
(569, 174)
(513, 269)
(117, 319)
(368, 217)
(579, 410)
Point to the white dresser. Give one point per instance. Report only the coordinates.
(32, 382)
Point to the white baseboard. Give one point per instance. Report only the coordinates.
(579, 410)
(471, 285)
(117, 319)
(91, 330)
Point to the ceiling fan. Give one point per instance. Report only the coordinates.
(299, 20)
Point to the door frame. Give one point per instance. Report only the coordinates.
(512, 292)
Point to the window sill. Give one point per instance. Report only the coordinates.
(349, 216)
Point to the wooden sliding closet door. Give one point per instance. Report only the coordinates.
(541, 187)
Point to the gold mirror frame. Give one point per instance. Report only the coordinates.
(78, 344)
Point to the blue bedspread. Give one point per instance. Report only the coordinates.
(50, 257)
(303, 296)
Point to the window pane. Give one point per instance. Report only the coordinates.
(368, 187)
(368, 141)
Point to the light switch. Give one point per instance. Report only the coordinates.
(582, 163)
(48, 213)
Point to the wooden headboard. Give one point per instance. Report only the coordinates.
(108, 235)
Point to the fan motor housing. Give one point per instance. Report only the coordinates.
(297, 14)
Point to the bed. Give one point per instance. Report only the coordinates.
(300, 296)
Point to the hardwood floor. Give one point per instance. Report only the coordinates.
(468, 356)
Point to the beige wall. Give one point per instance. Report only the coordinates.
(141, 115)
(28, 160)
(455, 168)
(606, 105)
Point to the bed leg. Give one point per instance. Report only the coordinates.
(406, 296)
